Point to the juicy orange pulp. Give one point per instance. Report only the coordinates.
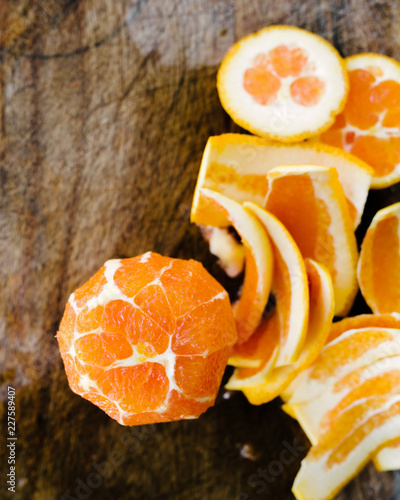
(264, 79)
(369, 103)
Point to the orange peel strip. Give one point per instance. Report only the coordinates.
(310, 202)
(248, 310)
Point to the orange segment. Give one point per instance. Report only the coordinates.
(236, 165)
(321, 314)
(307, 91)
(283, 83)
(379, 264)
(310, 202)
(102, 349)
(147, 339)
(249, 308)
(369, 126)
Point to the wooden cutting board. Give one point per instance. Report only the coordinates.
(105, 109)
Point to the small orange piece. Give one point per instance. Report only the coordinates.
(248, 310)
(369, 126)
(283, 83)
(147, 339)
(379, 264)
(310, 202)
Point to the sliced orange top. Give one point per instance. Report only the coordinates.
(310, 202)
(283, 83)
(369, 126)
(147, 339)
(236, 165)
(379, 265)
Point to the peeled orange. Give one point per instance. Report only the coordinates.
(147, 339)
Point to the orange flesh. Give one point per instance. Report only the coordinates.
(368, 103)
(380, 270)
(307, 91)
(177, 305)
(304, 218)
(264, 79)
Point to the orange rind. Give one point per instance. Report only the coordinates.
(318, 415)
(310, 203)
(362, 430)
(286, 331)
(379, 264)
(369, 126)
(364, 321)
(352, 350)
(236, 165)
(320, 318)
(290, 291)
(283, 83)
(249, 308)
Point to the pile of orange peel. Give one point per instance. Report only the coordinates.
(295, 206)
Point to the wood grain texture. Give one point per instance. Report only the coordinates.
(105, 109)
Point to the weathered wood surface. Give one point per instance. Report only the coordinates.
(105, 109)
